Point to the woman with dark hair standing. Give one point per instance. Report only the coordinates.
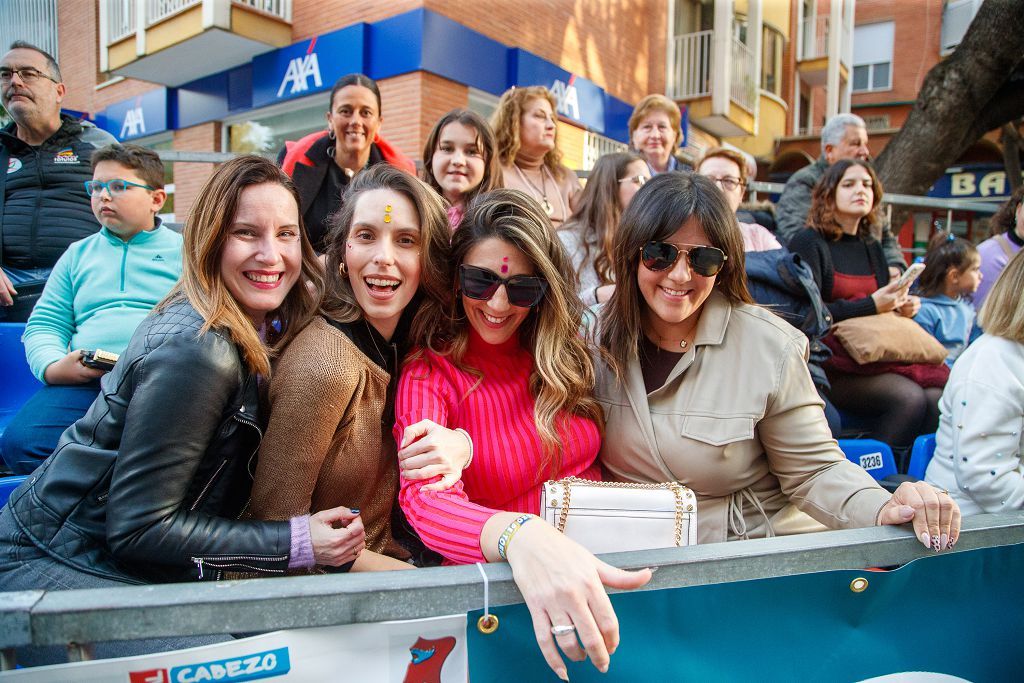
(589, 234)
(846, 258)
(701, 387)
(148, 486)
(526, 129)
(322, 164)
(1007, 229)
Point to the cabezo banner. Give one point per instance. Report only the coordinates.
(948, 617)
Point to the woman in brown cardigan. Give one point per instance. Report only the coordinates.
(331, 395)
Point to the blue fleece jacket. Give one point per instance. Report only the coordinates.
(951, 321)
(99, 292)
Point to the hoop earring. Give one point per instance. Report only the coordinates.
(331, 135)
(343, 268)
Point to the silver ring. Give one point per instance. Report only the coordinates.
(562, 629)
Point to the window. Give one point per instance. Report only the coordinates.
(872, 57)
(264, 132)
(771, 60)
(956, 17)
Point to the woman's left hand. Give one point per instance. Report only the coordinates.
(910, 306)
(936, 516)
(429, 450)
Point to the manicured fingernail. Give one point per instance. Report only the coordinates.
(952, 543)
(944, 541)
(561, 673)
(926, 539)
(653, 569)
(935, 543)
(355, 511)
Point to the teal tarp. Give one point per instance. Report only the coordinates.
(960, 614)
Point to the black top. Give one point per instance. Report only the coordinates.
(328, 200)
(848, 255)
(656, 363)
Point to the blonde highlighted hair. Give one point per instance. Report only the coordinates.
(206, 231)
(1002, 314)
(507, 117)
(563, 377)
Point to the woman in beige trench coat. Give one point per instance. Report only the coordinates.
(702, 387)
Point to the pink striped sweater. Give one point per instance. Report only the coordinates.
(507, 468)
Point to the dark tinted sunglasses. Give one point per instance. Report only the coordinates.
(705, 261)
(524, 291)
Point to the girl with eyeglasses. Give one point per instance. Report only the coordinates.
(333, 386)
(460, 160)
(702, 387)
(512, 370)
(588, 235)
(727, 169)
(842, 248)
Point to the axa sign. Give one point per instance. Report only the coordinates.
(306, 67)
(300, 70)
(567, 97)
(134, 123)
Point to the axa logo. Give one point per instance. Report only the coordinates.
(299, 72)
(134, 121)
(567, 98)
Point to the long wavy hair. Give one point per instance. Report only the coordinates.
(505, 122)
(485, 142)
(562, 381)
(339, 303)
(598, 212)
(205, 233)
(822, 216)
(657, 211)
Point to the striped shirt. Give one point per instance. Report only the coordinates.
(508, 463)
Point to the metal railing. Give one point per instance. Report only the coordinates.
(158, 10)
(121, 21)
(77, 618)
(691, 66)
(34, 21)
(815, 38)
(742, 76)
(282, 9)
(934, 203)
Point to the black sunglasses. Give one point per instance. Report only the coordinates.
(524, 291)
(705, 261)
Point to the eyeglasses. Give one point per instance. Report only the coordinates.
(28, 75)
(524, 291)
(637, 180)
(727, 183)
(116, 186)
(705, 261)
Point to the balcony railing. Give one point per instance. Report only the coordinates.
(34, 21)
(120, 19)
(691, 66)
(282, 9)
(743, 77)
(158, 10)
(815, 38)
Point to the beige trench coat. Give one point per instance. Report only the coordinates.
(740, 423)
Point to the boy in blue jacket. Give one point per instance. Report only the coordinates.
(99, 291)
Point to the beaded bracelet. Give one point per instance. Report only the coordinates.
(509, 532)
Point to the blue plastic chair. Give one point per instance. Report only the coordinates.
(18, 381)
(920, 455)
(7, 486)
(873, 456)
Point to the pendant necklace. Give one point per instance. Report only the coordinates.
(542, 190)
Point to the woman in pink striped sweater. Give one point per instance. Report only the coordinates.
(519, 380)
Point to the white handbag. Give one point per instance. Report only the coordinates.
(608, 517)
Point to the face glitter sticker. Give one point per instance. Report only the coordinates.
(504, 265)
(387, 213)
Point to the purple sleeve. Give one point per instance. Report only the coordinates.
(301, 556)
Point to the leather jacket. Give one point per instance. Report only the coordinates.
(147, 487)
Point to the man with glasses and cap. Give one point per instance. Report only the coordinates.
(44, 159)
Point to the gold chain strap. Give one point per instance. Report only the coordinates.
(677, 490)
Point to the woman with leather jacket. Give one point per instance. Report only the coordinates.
(149, 485)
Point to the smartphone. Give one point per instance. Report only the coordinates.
(910, 274)
(99, 360)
